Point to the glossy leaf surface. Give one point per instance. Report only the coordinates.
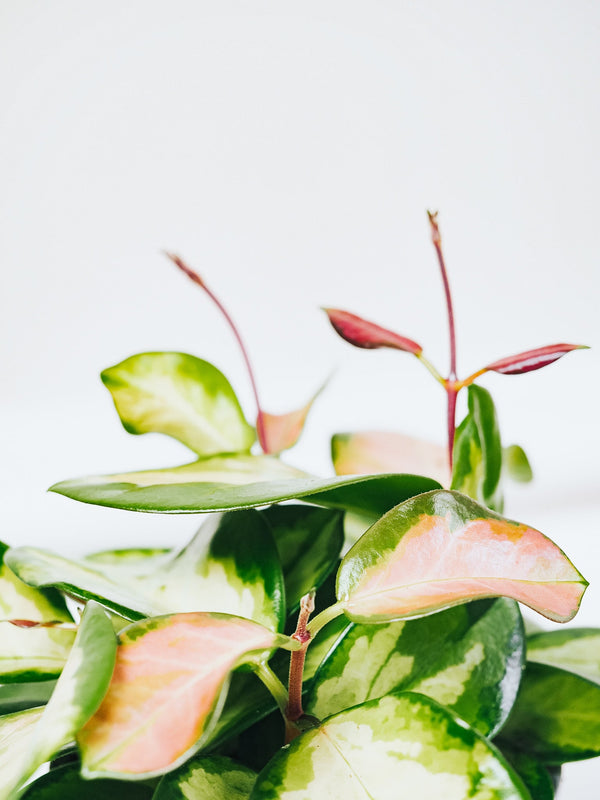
(533, 773)
(468, 658)
(66, 783)
(232, 483)
(30, 654)
(231, 565)
(440, 549)
(214, 778)
(362, 333)
(400, 745)
(575, 649)
(381, 451)
(78, 693)
(182, 396)
(170, 676)
(532, 359)
(477, 455)
(556, 717)
(309, 541)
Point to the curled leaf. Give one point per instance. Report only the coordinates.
(282, 431)
(531, 360)
(362, 333)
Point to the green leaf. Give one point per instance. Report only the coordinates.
(468, 658)
(214, 778)
(36, 735)
(309, 541)
(20, 696)
(66, 783)
(231, 565)
(516, 464)
(30, 654)
(575, 649)
(556, 717)
(182, 396)
(533, 774)
(169, 684)
(440, 549)
(400, 745)
(478, 452)
(225, 484)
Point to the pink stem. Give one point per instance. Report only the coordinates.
(294, 709)
(260, 427)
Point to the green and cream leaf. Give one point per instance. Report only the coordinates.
(574, 649)
(211, 778)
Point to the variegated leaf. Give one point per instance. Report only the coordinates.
(440, 549)
(168, 685)
(533, 773)
(402, 744)
(281, 431)
(556, 717)
(30, 654)
(224, 484)
(36, 735)
(66, 783)
(468, 658)
(182, 396)
(383, 451)
(212, 778)
(231, 565)
(575, 649)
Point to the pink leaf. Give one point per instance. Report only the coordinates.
(440, 549)
(169, 675)
(282, 431)
(362, 333)
(378, 451)
(532, 359)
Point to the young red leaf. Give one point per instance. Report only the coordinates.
(532, 359)
(362, 333)
(282, 431)
(169, 676)
(440, 549)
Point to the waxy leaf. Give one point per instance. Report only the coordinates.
(532, 772)
(224, 484)
(477, 454)
(169, 682)
(231, 566)
(66, 783)
(362, 333)
(36, 735)
(401, 745)
(532, 359)
(440, 549)
(468, 658)
(212, 778)
(30, 654)
(182, 396)
(556, 717)
(575, 649)
(309, 541)
(379, 451)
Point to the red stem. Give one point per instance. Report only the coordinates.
(294, 709)
(260, 428)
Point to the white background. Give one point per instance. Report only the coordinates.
(289, 151)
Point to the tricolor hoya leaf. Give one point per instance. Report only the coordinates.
(516, 464)
(362, 333)
(78, 693)
(556, 717)
(30, 654)
(309, 541)
(169, 682)
(533, 773)
(211, 778)
(182, 396)
(477, 455)
(16, 733)
(468, 658)
(440, 549)
(66, 783)
(225, 484)
(575, 649)
(401, 745)
(231, 565)
(380, 451)
(532, 359)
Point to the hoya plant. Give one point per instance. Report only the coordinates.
(356, 636)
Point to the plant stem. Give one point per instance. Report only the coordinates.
(260, 428)
(428, 365)
(451, 382)
(274, 685)
(323, 618)
(294, 707)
